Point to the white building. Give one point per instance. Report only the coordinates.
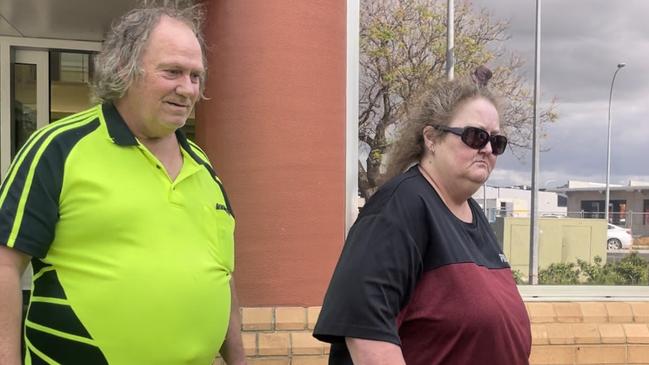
(515, 202)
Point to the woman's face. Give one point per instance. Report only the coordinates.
(459, 162)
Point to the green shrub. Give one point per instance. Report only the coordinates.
(518, 277)
(560, 274)
(597, 274)
(633, 269)
(630, 270)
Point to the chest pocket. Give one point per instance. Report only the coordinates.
(220, 218)
(221, 222)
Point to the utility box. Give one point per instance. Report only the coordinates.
(561, 240)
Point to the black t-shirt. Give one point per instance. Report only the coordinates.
(413, 274)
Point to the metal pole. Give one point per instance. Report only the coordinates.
(484, 197)
(450, 43)
(534, 226)
(608, 143)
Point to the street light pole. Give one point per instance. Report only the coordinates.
(608, 149)
(450, 40)
(534, 198)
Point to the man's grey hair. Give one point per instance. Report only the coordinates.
(118, 64)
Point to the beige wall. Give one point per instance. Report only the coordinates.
(561, 240)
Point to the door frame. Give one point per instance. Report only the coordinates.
(33, 51)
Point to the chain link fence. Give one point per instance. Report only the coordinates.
(636, 221)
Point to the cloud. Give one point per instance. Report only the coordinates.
(582, 42)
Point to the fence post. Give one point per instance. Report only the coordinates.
(629, 219)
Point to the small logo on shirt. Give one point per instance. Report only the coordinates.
(220, 206)
(503, 258)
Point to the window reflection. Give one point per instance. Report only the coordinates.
(70, 77)
(24, 104)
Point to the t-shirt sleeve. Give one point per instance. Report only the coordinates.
(29, 198)
(374, 278)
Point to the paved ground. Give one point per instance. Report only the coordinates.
(617, 255)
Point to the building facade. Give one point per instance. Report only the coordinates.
(628, 205)
(516, 202)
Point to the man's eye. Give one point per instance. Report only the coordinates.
(196, 77)
(173, 72)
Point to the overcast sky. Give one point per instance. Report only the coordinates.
(582, 41)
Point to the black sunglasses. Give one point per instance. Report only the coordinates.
(477, 138)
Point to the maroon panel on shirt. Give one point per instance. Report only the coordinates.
(465, 314)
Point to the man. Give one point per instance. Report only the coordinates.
(129, 231)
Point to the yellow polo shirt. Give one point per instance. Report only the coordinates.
(129, 266)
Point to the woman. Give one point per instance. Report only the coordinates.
(421, 279)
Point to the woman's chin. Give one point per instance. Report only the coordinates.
(479, 178)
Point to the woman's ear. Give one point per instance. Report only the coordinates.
(429, 137)
(428, 133)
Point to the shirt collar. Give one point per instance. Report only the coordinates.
(122, 135)
(117, 128)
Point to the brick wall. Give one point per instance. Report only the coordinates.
(589, 332)
(562, 333)
(281, 336)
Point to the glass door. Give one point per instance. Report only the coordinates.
(28, 94)
(41, 80)
(25, 100)
(71, 74)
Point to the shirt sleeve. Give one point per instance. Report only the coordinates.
(29, 197)
(374, 278)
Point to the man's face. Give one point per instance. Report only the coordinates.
(163, 96)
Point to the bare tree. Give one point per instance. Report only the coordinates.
(403, 51)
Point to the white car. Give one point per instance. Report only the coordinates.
(618, 237)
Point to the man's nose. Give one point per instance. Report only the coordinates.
(186, 87)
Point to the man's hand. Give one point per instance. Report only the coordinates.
(232, 348)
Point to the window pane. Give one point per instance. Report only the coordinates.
(24, 113)
(70, 76)
(401, 56)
